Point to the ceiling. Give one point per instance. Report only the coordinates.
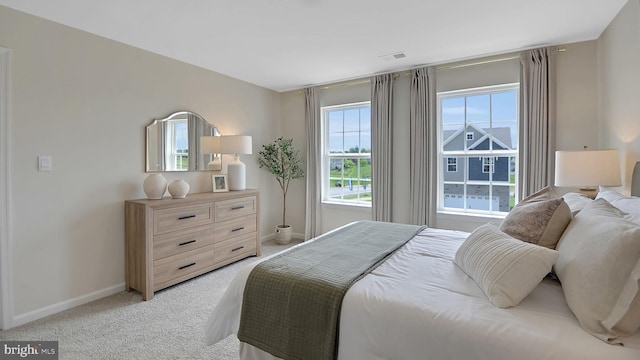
(289, 44)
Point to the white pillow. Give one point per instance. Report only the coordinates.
(506, 269)
(576, 201)
(628, 204)
(599, 268)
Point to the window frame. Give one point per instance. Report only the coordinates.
(464, 154)
(327, 157)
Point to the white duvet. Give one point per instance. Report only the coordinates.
(419, 305)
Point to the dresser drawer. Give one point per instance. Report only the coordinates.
(179, 218)
(236, 247)
(177, 242)
(173, 267)
(229, 209)
(235, 227)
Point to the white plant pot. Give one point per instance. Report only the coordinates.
(154, 186)
(283, 234)
(179, 189)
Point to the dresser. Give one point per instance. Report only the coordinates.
(168, 241)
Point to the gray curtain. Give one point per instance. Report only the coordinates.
(538, 119)
(381, 143)
(314, 162)
(423, 157)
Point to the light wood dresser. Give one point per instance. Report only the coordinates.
(172, 240)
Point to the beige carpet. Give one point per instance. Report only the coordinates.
(122, 326)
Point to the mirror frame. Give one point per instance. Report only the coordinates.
(197, 126)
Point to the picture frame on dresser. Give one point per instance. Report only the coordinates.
(219, 182)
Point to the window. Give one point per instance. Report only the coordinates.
(452, 164)
(479, 135)
(487, 165)
(346, 176)
(176, 136)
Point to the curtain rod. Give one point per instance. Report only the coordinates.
(449, 66)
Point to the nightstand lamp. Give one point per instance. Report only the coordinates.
(210, 145)
(587, 169)
(236, 170)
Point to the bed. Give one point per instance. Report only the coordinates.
(425, 302)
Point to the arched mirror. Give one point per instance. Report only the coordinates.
(174, 143)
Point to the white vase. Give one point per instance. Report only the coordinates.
(179, 189)
(283, 234)
(154, 186)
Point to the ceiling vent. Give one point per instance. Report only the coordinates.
(395, 56)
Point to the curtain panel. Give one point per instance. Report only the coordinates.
(537, 120)
(423, 158)
(314, 163)
(382, 145)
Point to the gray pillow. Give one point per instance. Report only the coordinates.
(538, 219)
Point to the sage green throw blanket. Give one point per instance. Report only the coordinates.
(291, 305)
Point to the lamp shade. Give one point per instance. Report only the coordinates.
(210, 144)
(588, 168)
(235, 144)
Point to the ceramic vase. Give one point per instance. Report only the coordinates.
(154, 186)
(179, 189)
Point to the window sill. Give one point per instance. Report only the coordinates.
(361, 207)
(450, 215)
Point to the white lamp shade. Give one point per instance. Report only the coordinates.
(587, 168)
(210, 144)
(235, 144)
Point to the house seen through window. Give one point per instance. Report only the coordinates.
(478, 149)
(347, 154)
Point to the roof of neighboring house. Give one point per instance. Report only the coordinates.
(501, 135)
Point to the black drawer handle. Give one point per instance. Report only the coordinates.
(186, 266)
(237, 207)
(238, 248)
(186, 217)
(187, 242)
(238, 229)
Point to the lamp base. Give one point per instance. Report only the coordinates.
(215, 164)
(588, 192)
(236, 171)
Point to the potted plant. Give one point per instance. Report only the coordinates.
(285, 163)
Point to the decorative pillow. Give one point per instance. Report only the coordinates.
(538, 219)
(506, 269)
(628, 204)
(599, 268)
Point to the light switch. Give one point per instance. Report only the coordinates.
(44, 163)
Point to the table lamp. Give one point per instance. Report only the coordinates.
(586, 169)
(236, 170)
(210, 145)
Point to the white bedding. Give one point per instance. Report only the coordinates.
(420, 305)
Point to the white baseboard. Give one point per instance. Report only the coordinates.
(296, 236)
(66, 305)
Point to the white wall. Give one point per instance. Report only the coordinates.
(577, 97)
(618, 59)
(85, 101)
